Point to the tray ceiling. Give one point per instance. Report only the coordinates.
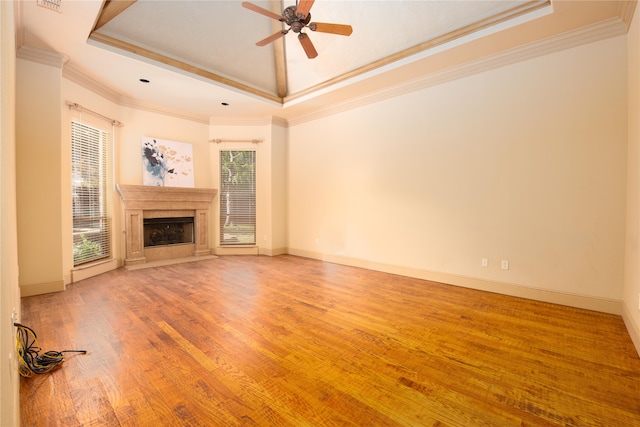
(218, 37)
(201, 60)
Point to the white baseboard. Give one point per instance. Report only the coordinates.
(249, 250)
(273, 252)
(572, 300)
(632, 327)
(91, 270)
(41, 288)
(237, 250)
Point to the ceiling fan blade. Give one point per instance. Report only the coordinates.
(272, 38)
(303, 8)
(261, 10)
(305, 41)
(323, 27)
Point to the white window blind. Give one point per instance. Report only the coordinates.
(237, 198)
(90, 172)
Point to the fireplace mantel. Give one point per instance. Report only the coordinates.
(148, 197)
(142, 201)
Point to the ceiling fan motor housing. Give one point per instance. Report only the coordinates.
(297, 23)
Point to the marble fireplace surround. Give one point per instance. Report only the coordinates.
(142, 201)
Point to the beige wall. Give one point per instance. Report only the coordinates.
(74, 93)
(278, 210)
(631, 293)
(270, 180)
(524, 163)
(527, 163)
(38, 146)
(9, 289)
(38, 157)
(139, 123)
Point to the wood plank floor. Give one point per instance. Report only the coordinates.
(288, 341)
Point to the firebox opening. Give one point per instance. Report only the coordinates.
(168, 231)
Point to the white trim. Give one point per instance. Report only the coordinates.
(42, 56)
(93, 269)
(239, 121)
(601, 31)
(74, 75)
(41, 288)
(172, 112)
(237, 250)
(632, 327)
(546, 295)
(272, 252)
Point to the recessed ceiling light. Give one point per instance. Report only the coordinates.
(144, 80)
(226, 104)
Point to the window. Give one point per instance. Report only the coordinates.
(237, 198)
(90, 149)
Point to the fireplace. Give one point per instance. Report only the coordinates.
(167, 231)
(165, 222)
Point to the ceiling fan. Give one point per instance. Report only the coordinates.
(297, 18)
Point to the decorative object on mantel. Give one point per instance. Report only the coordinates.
(166, 163)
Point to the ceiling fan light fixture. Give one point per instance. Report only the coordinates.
(289, 14)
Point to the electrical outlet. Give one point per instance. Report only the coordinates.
(505, 264)
(485, 262)
(14, 319)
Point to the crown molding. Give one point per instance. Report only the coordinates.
(159, 58)
(279, 121)
(77, 76)
(153, 108)
(237, 121)
(73, 74)
(627, 8)
(18, 16)
(606, 29)
(42, 56)
(249, 121)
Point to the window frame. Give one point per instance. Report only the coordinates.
(91, 180)
(247, 215)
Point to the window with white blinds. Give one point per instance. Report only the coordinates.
(237, 198)
(90, 175)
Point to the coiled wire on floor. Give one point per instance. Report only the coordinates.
(30, 361)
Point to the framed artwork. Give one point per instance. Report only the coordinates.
(166, 163)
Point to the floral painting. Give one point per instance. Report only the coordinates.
(166, 163)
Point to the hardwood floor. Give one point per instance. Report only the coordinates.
(288, 341)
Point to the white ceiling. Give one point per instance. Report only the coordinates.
(199, 54)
